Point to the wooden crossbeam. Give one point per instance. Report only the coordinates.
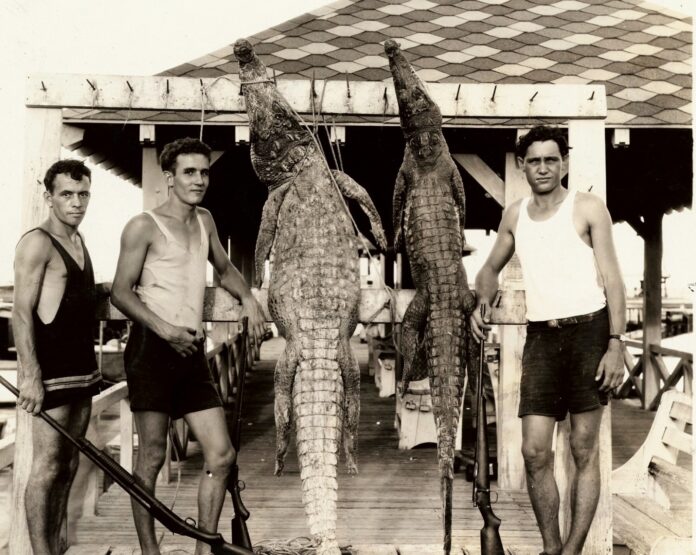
(223, 94)
(483, 174)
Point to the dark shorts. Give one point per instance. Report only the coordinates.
(559, 367)
(161, 380)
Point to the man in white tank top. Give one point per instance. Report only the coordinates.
(159, 284)
(576, 312)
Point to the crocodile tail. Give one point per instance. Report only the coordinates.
(317, 401)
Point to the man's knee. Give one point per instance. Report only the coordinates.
(584, 451)
(219, 461)
(536, 457)
(151, 455)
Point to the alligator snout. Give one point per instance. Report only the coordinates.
(391, 47)
(243, 51)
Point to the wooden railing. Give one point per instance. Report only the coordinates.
(634, 380)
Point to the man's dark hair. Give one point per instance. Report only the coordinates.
(74, 168)
(187, 145)
(541, 133)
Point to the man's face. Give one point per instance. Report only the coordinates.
(69, 199)
(190, 178)
(543, 166)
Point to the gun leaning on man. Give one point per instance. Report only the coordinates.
(491, 544)
(154, 506)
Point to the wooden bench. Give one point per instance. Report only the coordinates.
(651, 492)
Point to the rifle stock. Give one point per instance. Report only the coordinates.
(173, 522)
(240, 533)
(491, 544)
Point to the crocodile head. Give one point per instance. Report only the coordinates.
(421, 120)
(279, 142)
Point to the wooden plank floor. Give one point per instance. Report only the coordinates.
(394, 501)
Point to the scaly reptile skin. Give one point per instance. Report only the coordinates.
(429, 220)
(313, 293)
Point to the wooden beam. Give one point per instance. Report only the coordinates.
(220, 306)
(155, 190)
(71, 136)
(42, 134)
(587, 170)
(511, 474)
(366, 97)
(652, 304)
(215, 156)
(483, 174)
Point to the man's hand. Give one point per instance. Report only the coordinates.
(479, 320)
(257, 321)
(612, 367)
(182, 340)
(31, 395)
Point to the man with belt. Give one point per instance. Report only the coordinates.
(53, 326)
(576, 312)
(159, 284)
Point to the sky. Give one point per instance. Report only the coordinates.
(143, 37)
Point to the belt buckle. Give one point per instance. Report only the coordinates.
(554, 323)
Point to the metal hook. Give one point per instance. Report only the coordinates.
(91, 85)
(348, 85)
(384, 96)
(129, 86)
(592, 96)
(533, 96)
(314, 93)
(495, 88)
(43, 87)
(456, 96)
(167, 86)
(274, 78)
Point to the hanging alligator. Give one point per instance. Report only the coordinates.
(313, 294)
(428, 210)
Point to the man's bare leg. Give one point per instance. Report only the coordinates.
(152, 446)
(210, 428)
(584, 430)
(52, 472)
(537, 436)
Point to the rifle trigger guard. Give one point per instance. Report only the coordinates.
(241, 485)
(190, 520)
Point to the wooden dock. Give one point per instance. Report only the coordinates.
(392, 506)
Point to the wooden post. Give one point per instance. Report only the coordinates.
(155, 190)
(512, 337)
(652, 304)
(42, 133)
(587, 172)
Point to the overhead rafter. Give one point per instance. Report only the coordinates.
(357, 97)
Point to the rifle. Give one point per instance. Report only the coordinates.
(491, 544)
(240, 533)
(127, 481)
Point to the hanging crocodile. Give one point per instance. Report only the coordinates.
(313, 294)
(428, 215)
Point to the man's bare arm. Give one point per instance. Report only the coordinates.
(487, 278)
(31, 259)
(135, 242)
(233, 281)
(599, 220)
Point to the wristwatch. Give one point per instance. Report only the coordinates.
(619, 337)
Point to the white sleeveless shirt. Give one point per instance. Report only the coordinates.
(172, 283)
(559, 269)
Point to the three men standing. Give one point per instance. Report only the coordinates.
(576, 312)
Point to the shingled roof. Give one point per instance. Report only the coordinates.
(640, 52)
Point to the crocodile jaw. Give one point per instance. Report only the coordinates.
(279, 142)
(421, 120)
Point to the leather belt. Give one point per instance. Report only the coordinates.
(560, 322)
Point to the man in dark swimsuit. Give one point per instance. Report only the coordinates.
(52, 319)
